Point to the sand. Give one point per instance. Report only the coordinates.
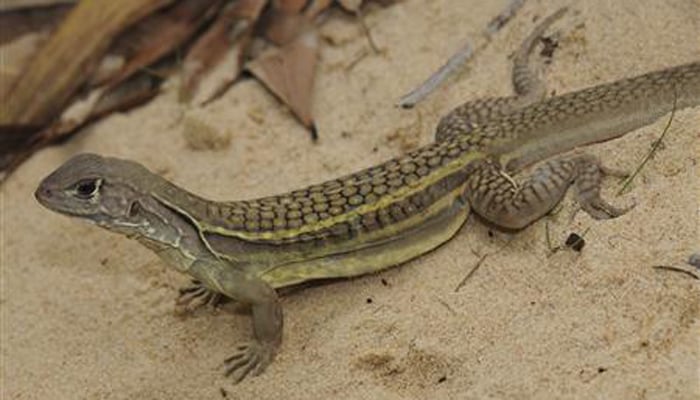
(87, 314)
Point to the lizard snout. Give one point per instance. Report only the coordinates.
(43, 192)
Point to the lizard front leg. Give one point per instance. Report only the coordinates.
(250, 358)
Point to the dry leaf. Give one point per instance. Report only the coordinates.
(78, 112)
(161, 33)
(15, 58)
(22, 33)
(102, 101)
(316, 7)
(22, 5)
(350, 5)
(215, 60)
(109, 67)
(289, 73)
(136, 90)
(14, 24)
(14, 141)
(289, 6)
(283, 27)
(60, 66)
(218, 77)
(76, 58)
(17, 142)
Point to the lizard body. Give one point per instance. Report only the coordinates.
(380, 216)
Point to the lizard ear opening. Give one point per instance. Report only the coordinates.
(134, 208)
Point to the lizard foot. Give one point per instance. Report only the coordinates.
(197, 295)
(588, 183)
(250, 359)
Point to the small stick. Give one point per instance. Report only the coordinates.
(652, 151)
(501, 19)
(465, 52)
(365, 29)
(470, 273)
(676, 269)
(456, 61)
(446, 305)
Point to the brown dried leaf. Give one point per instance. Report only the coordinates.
(14, 24)
(79, 111)
(17, 142)
(102, 101)
(289, 73)
(386, 3)
(161, 33)
(350, 5)
(22, 33)
(22, 5)
(283, 27)
(16, 55)
(218, 77)
(60, 67)
(136, 90)
(289, 6)
(215, 60)
(317, 7)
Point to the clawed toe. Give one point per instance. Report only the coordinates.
(249, 359)
(197, 295)
(600, 209)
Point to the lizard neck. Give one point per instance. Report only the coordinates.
(169, 233)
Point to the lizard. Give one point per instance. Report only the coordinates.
(383, 215)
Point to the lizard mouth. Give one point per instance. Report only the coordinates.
(54, 201)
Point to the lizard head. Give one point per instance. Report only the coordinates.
(102, 190)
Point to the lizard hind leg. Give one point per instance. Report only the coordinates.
(501, 200)
(590, 174)
(527, 85)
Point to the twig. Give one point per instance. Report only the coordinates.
(676, 269)
(359, 57)
(446, 305)
(653, 149)
(470, 273)
(365, 29)
(465, 52)
(427, 87)
(548, 239)
(501, 19)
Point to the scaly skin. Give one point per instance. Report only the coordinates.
(378, 217)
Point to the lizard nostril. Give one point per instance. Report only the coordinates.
(43, 193)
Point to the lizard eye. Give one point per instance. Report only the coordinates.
(87, 188)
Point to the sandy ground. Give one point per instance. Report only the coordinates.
(90, 315)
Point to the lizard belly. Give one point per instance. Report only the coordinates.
(373, 257)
